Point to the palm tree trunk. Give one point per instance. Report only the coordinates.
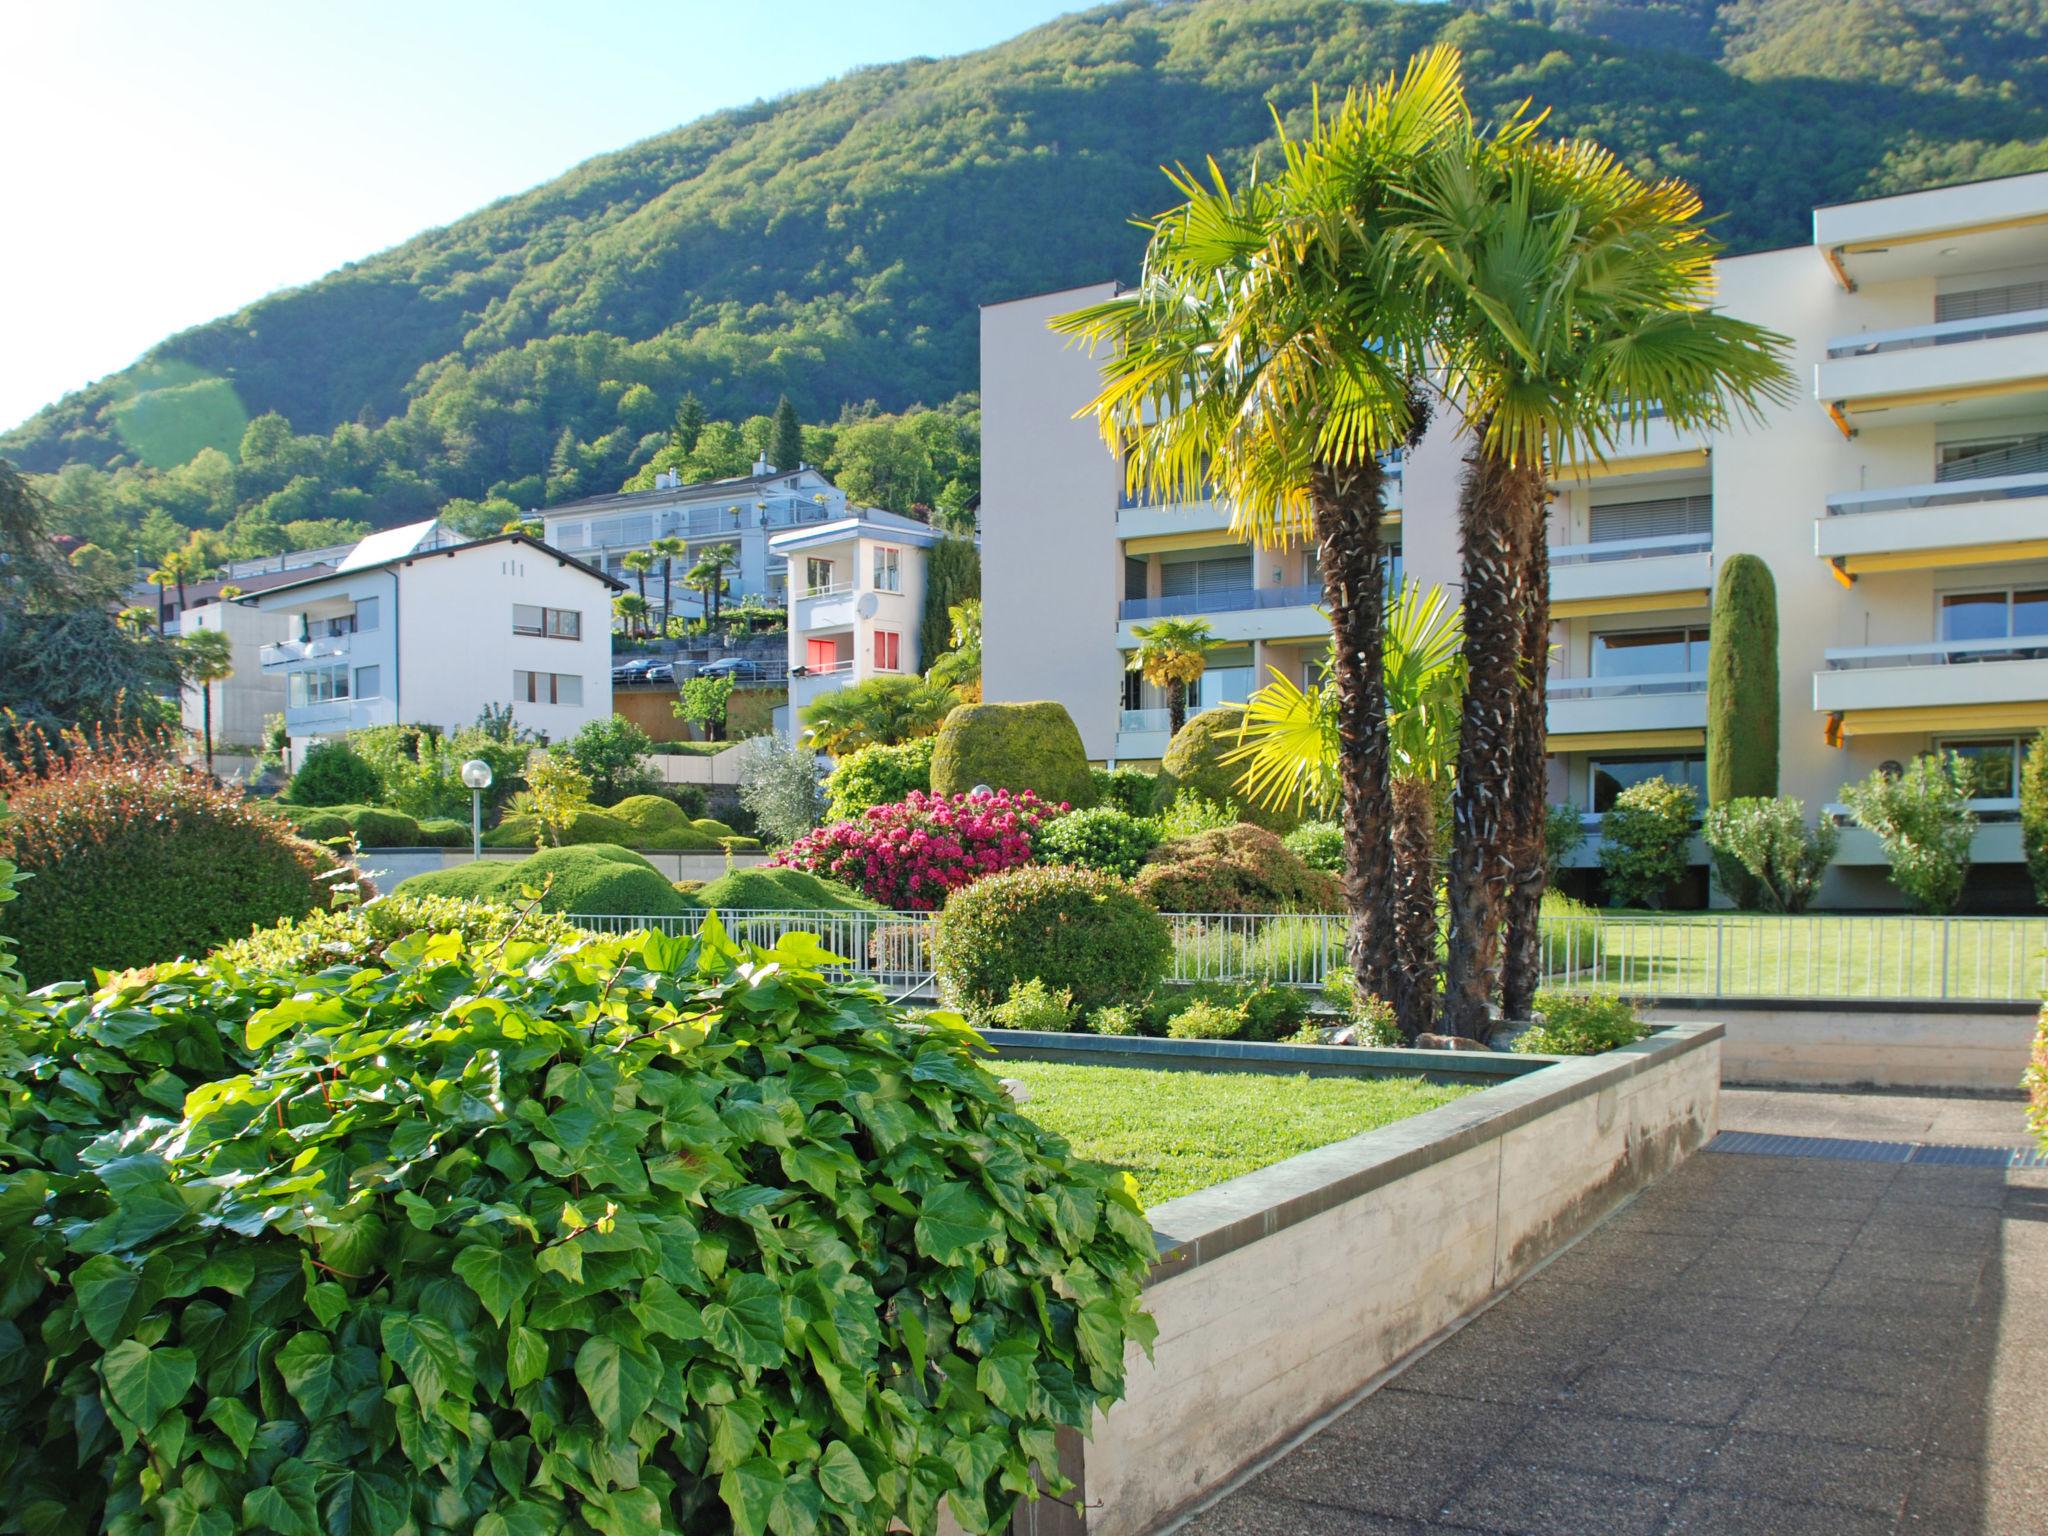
(1176, 706)
(1414, 878)
(667, 611)
(206, 722)
(1347, 503)
(1482, 810)
(1522, 965)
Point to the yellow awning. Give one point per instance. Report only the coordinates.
(1939, 559)
(1625, 741)
(1163, 543)
(1633, 602)
(1623, 464)
(1914, 719)
(1871, 405)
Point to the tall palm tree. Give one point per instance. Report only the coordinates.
(639, 562)
(1268, 348)
(1574, 308)
(206, 657)
(670, 550)
(1289, 751)
(1172, 654)
(161, 578)
(709, 574)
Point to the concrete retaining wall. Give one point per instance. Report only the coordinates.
(1283, 1293)
(1965, 1047)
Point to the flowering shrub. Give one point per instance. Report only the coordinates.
(910, 854)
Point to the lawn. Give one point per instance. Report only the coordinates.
(1178, 1132)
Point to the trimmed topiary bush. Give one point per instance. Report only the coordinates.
(1194, 764)
(1017, 747)
(1101, 837)
(444, 832)
(316, 823)
(1234, 869)
(129, 859)
(780, 890)
(334, 774)
(879, 776)
(596, 879)
(376, 827)
(1742, 683)
(587, 825)
(1079, 929)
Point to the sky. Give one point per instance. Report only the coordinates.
(161, 165)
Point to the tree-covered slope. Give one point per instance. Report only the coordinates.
(834, 244)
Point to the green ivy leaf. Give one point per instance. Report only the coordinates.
(499, 1276)
(526, 1357)
(1099, 1328)
(842, 1478)
(746, 1322)
(619, 1382)
(953, 1219)
(750, 1491)
(147, 1383)
(661, 1310)
(235, 1421)
(105, 1287)
(288, 1504)
(307, 1365)
(426, 1351)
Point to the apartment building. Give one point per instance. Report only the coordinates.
(1901, 502)
(416, 625)
(856, 599)
(742, 512)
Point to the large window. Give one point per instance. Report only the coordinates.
(1649, 652)
(1975, 458)
(554, 623)
(1999, 615)
(1612, 775)
(888, 570)
(546, 688)
(316, 685)
(1994, 764)
(817, 574)
(888, 651)
(1654, 517)
(1205, 575)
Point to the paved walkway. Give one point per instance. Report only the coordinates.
(1796, 1346)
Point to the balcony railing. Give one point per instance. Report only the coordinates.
(1638, 685)
(828, 668)
(1234, 600)
(285, 653)
(1940, 333)
(839, 589)
(1134, 722)
(1630, 549)
(1938, 653)
(1946, 493)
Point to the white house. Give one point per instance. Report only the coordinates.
(856, 596)
(742, 512)
(417, 626)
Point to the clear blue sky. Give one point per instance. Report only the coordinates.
(167, 163)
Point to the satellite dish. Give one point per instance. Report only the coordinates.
(1892, 768)
(867, 605)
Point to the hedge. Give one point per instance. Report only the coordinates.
(596, 879)
(1078, 929)
(1016, 747)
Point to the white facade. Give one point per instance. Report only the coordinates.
(856, 603)
(250, 694)
(743, 512)
(1901, 502)
(432, 635)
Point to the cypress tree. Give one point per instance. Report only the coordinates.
(952, 574)
(689, 423)
(786, 441)
(1742, 683)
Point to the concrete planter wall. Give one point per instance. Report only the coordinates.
(1953, 1047)
(1283, 1293)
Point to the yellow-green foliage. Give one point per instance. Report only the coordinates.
(1193, 761)
(638, 821)
(780, 890)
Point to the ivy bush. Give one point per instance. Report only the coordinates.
(1101, 837)
(627, 1235)
(1780, 858)
(877, 776)
(1923, 820)
(1075, 928)
(1643, 841)
(1580, 1024)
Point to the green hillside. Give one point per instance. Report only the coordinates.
(834, 244)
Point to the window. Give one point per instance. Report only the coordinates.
(1650, 652)
(1205, 575)
(546, 688)
(1997, 615)
(367, 683)
(817, 574)
(1980, 457)
(888, 651)
(553, 623)
(329, 628)
(888, 570)
(366, 614)
(1660, 517)
(1994, 764)
(315, 685)
(1610, 776)
(1135, 571)
(1983, 303)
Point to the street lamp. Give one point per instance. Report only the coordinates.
(476, 773)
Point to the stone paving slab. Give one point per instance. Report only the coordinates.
(1784, 1345)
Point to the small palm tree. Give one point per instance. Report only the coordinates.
(1172, 654)
(632, 611)
(670, 550)
(708, 576)
(137, 621)
(882, 711)
(640, 562)
(206, 657)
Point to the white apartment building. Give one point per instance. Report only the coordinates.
(1901, 502)
(418, 626)
(742, 512)
(856, 601)
(244, 700)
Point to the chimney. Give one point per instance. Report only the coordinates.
(762, 466)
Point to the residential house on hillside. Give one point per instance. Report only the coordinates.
(416, 625)
(1901, 503)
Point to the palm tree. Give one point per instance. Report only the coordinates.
(206, 657)
(1172, 654)
(1289, 747)
(708, 575)
(632, 609)
(1268, 348)
(670, 550)
(160, 578)
(640, 562)
(882, 711)
(1573, 299)
(136, 621)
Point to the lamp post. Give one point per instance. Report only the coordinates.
(476, 773)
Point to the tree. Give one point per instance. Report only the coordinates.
(703, 703)
(882, 711)
(1922, 817)
(1172, 654)
(179, 567)
(2034, 813)
(611, 752)
(160, 579)
(1269, 349)
(559, 788)
(786, 444)
(689, 423)
(1742, 684)
(206, 657)
(639, 562)
(954, 510)
(631, 609)
(781, 786)
(952, 575)
(708, 576)
(102, 570)
(959, 666)
(1571, 298)
(670, 550)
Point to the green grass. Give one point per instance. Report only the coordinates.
(693, 748)
(1178, 1132)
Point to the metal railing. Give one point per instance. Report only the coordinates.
(1601, 550)
(1941, 493)
(1934, 653)
(1941, 333)
(1625, 686)
(1835, 957)
(283, 653)
(1233, 600)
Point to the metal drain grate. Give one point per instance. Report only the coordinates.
(1757, 1143)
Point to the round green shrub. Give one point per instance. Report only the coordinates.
(711, 828)
(1580, 1024)
(1016, 747)
(378, 828)
(596, 879)
(390, 1258)
(879, 775)
(585, 826)
(1079, 929)
(1239, 868)
(444, 832)
(1319, 845)
(1101, 837)
(130, 859)
(1204, 1020)
(334, 774)
(321, 824)
(649, 813)
(781, 890)
(1194, 762)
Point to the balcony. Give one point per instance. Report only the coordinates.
(1988, 365)
(289, 653)
(816, 682)
(337, 717)
(1655, 447)
(1935, 685)
(1651, 709)
(833, 607)
(1948, 523)
(1138, 517)
(1240, 614)
(1631, 575)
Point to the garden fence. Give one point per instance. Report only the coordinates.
(1827, 957)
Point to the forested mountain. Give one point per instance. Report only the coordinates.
(833, 244)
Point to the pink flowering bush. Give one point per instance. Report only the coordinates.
(910, 853)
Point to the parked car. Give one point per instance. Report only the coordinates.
(643, 669)
(740, 669)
